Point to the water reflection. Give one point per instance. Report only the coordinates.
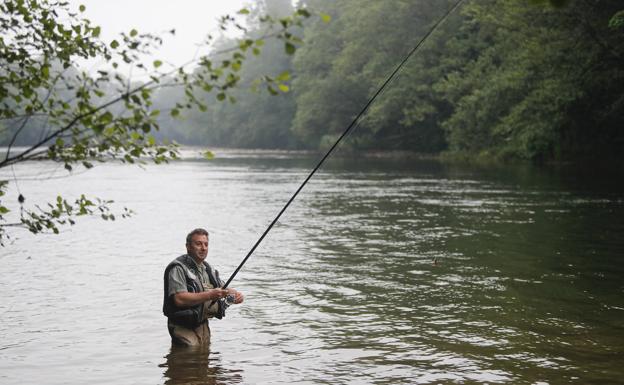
(196, 365)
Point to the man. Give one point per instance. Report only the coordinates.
(193, 293)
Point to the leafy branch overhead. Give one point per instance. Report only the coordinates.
(80, 118)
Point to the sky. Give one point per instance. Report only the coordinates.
(192, 20)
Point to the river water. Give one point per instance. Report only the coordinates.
(381, 272)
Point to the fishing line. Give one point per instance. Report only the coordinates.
(345, 133)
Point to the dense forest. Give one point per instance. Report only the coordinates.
(513, 80)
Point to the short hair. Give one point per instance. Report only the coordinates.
(199, 231)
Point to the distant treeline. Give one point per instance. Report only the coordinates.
(499, 79)
(503, 79)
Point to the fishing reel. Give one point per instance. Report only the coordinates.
(229, 299)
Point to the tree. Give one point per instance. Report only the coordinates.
(79, 118)
(343, 65)
(537, 80)
(547, 84)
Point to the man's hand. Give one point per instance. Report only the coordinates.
(218, 293)
(238, 296)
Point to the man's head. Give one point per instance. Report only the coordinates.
(197, 244)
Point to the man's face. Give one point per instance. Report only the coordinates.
(198, 248)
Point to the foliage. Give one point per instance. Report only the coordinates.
(256, 119)
(617, 21)
(535, 79)
(541, 81)
(78, 118)
(509, 80)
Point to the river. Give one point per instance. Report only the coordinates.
(381, 272)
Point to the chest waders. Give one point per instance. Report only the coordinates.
(192, 317)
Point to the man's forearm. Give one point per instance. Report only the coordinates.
(187, 299)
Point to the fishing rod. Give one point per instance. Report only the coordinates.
(345, 133)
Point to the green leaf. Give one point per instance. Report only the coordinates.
(175, 112)
(325, 17)
(82, 8)
(133, 33)
(106, 117)
(303, 12)
(4, 210)
(114, 44)
(617, 21)
(208, 155)
(157, 63)
(283, 87)
(290, 48)
(221, 96)
(283, 77)
(243, 11)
